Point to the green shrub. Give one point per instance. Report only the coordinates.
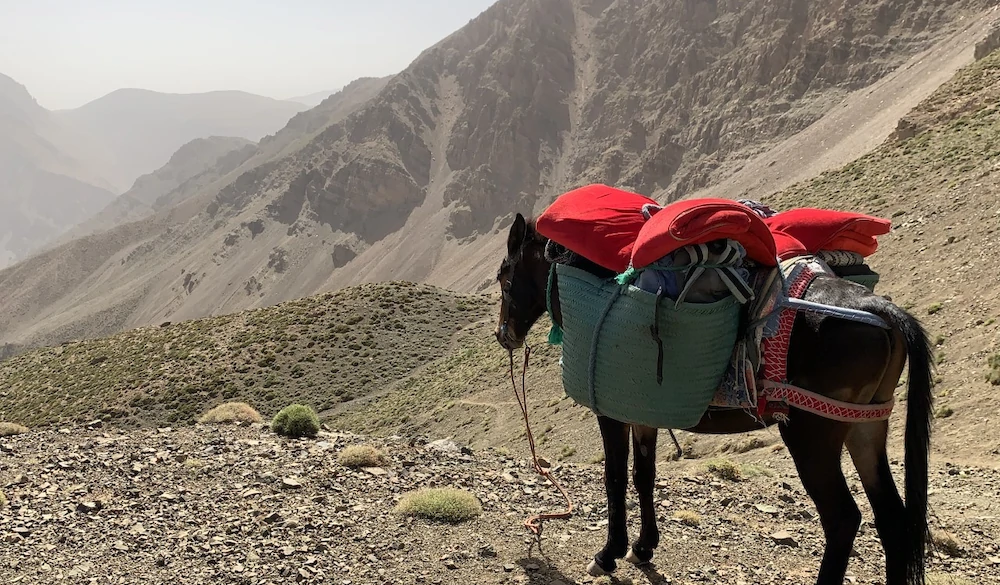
(443, 504)
(296, 420)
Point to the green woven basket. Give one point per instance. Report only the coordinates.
(698, 341)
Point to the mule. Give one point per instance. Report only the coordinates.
(841, 359)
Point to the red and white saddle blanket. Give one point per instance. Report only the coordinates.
(757, 378)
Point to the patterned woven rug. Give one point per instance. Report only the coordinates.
(769, 327)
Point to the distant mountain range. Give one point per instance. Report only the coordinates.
(312, 100)
(59, 168)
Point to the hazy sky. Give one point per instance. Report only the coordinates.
(68, 52)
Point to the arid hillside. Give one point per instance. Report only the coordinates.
(417, 180)
(936, 179)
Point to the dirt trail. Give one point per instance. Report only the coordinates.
(859, 124)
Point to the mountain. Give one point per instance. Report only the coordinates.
(142, 128)
(314, 99)
(193, 165)
(418, 180)
(49, 177)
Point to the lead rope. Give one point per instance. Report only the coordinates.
(532, 523)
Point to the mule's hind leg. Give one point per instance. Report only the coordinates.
(815, 445)
(615, 436)
(644, 479)
(866, 443)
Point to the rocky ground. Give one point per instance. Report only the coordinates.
(241, 505)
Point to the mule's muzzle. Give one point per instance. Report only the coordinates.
(507, 338)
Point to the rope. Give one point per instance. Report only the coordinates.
(532, 523)
(592, 370)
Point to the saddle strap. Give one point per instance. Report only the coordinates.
(821, 405)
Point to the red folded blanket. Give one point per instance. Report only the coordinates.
(698, 221)
(826, 229)
(598, 222)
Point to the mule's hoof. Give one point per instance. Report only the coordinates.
(595, 570)
(634, 558)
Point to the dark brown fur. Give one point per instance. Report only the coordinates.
(845, 360)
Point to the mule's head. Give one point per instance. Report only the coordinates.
(523, 276)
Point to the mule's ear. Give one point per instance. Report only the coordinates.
(518, 231)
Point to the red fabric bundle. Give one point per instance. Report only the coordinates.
(826, 229)
(598, 222)
(698, 221)
(787, 246)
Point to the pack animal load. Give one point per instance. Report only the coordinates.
(695, 317)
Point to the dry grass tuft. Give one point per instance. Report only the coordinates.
(361, 456)
(442, 504)
(10, 429)
(943, 579)
(688, 517)
(231, 412)
(947, 543)
(607, 580)
(993, 375)
(724, 469)
(746, 444)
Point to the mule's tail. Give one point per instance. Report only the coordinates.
(919, 415)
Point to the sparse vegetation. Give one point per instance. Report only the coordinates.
(566, 452)
(944, 579)
(723, 469)
(295, 421)
(231, 412)
(326, 349)
(934, 308)
(993, 375)
(606, 580)
(944, 412)
(947, 543)
(194, 463)
(687, 517)
(8, 429)
(745, 444)
(361, 456)
(442, 504)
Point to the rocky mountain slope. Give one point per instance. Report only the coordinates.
(194, 165)
(313, 99)
(936, 179)
(527, 100)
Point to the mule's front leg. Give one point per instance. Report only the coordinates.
(615, 436)
(644, 479)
